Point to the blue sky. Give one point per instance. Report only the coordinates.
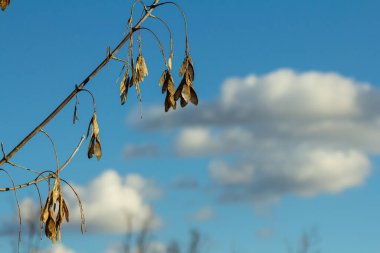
(285, 138)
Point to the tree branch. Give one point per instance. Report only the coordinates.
(77, 89)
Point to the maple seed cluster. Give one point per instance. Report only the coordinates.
(185, 89)
(138, 74)
(167, 83)
(54, 213)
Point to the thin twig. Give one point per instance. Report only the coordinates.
(14, 164)
(185, 21)
(72, 155)
(18, 207)
(159, 43)
(54, 148)
(83, 227)
(22, 167)
(51, 175)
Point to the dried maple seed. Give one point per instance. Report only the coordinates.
(4, 4)
(185, 90)
(94, 147)
(169, 102)
(163, 78)
(167, 83)
(124, 87)
(170, 61)
(141, 69)
(50, 216)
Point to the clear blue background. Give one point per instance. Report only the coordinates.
(46, 47)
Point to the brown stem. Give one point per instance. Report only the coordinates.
(78, 88)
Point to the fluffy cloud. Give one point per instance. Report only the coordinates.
(29, 210)
(301, 172)
(287, 132)
(116, 204)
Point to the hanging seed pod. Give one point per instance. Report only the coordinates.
(141, 69)
(94, 147)
(163, 78)
(185, 90)
(124, 87)
(50, 228)
(4, 4)
(132, 80)
(75, 116)
(54, 213)
(193, 96)
(167, 83)
(183, 67)
(169, 102)
(170, 61)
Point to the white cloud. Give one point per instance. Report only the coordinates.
(58, 248)
(225, 175)
(138, 151)
(111, 201)
(301, 172)
(151, 247)
(29, 210)
(201, 141)
(286, 93)
(287, 132)
(203, 214)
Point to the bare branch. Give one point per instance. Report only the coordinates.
(81, 86)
